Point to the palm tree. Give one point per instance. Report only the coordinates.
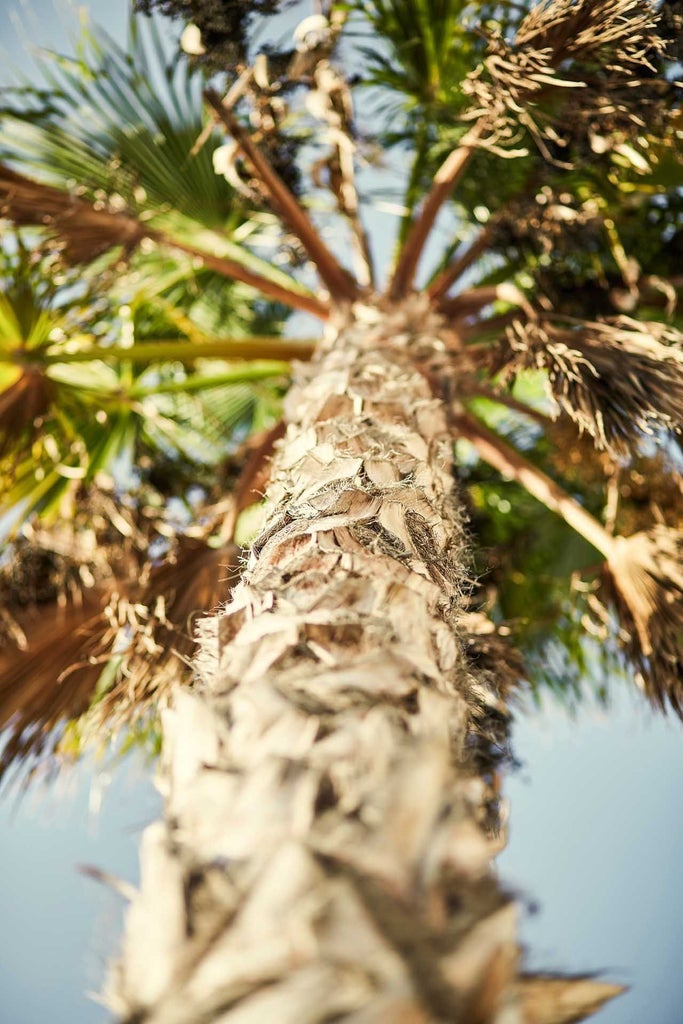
(331, 780)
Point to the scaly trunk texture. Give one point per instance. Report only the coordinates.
(330, 819)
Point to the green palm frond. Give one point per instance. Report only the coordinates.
(115, 136)
(67, 414)
(31, 316)
(123, 122)
(423, 53)
(103, 419)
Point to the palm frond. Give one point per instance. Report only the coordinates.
(615, 378)
(419, 49)
(570, 45)
(123, 126)
(197, 425)
(153, 629)
(122, 122)
(84, 231)
(642, 576)
(643, 580)
(109, 651)
(32, 314)
(54, 679)
(567, 28)
(53, 587)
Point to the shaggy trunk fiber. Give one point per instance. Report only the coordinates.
(329, 827)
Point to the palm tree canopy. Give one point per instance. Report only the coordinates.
(555, 128)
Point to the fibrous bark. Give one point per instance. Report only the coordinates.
(330, 819)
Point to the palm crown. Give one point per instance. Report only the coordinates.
(141, 356)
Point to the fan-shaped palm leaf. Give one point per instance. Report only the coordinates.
(30, 316)
(102, 419)
(424, 51)
(66, 414)
(123, 121)
(118, 131)
(615, 379)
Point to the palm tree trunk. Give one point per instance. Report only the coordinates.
(329, 826)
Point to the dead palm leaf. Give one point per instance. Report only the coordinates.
(588, 28)
(643, 580)
(111, 652)
(615, 379)
(84, 231)
(134, 641)
(54, 678)
(154, 628)
(567, 45)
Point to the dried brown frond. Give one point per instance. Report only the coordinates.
(53, 679)
(60, 640)
(617, 29)
(54, 585)
(643, 580)
(153, 627)
(615, 378)
(86, 634)
(594, 49)
(83, 230)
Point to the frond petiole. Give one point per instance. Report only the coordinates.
(445, 180)
(508, 461)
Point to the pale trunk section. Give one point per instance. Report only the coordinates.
(326, 850)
